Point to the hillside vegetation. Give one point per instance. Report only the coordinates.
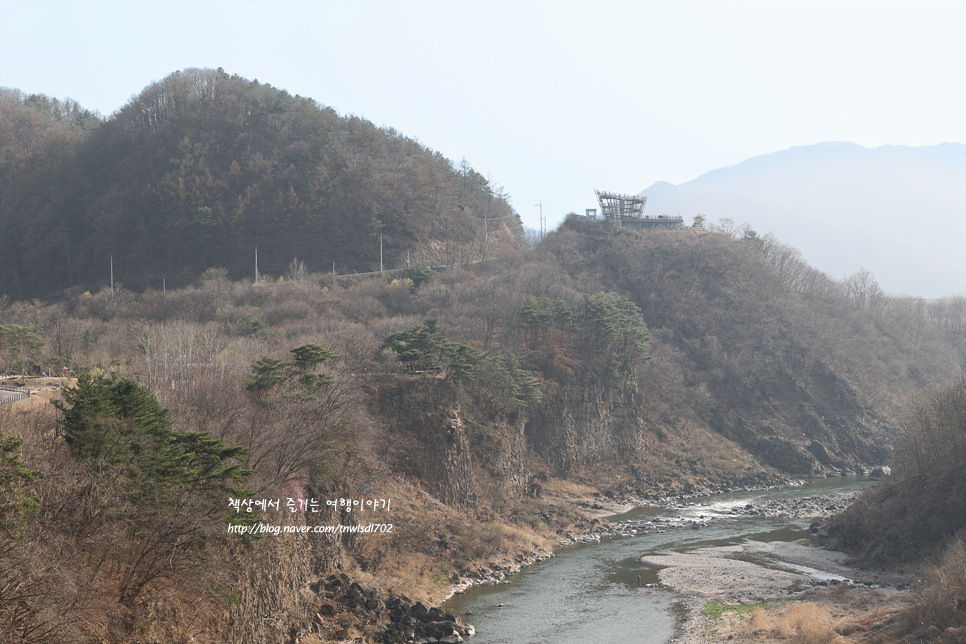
(917, 517)
(476, 396)
(640, 364)
(912, 515)
(201, 168)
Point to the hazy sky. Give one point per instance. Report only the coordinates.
(550, 99)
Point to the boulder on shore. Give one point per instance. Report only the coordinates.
(880, 472)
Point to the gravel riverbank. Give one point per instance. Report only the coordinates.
(815, 507)
(772, 573)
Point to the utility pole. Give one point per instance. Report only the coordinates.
(486, 236)
(542, 231)
(256, 264)
(112, 274)
(380, 252)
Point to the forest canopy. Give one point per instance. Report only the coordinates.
(201, 168)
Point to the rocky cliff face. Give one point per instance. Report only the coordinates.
(506, 447)
(811, 428)
(451, 463)
(451, 446)
(816, 426)
(590, 428)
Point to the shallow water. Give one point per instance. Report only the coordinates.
(590, 592)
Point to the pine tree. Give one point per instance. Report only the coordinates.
(115, 422)
(616, 332)
(423, 346)
(15, 504)
(296, 377)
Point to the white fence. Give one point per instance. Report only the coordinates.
(10, 394)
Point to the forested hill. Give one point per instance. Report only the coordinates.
(201, 168)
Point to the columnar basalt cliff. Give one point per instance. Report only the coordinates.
(597, 427)
(504, 445)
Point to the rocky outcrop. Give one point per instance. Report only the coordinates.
(787, 456)
(452, 461)
(810, 424)
(820, 453)
(880, 472)
(420, 623)
(511, 456)
(596, 425)
(396, 618)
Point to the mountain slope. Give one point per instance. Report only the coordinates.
(896, 211)
(201, 168)
(771, 353)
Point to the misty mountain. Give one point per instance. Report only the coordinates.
(897, 211)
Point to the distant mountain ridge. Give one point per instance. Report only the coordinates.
(897, 211)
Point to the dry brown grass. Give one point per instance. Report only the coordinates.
(430, 543)
(758, 623)
(426, 576)
(806, 623)
(555, 487)
(414, 574)
(800, 622)
(842, 615)
(941, 601)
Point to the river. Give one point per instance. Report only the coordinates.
(591, 592)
